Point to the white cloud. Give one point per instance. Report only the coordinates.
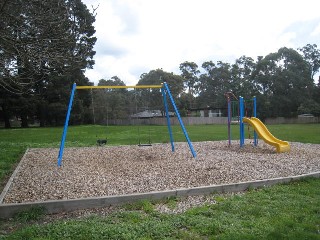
(145, 35)
(316, 31)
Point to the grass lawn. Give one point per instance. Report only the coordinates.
(290, 211)
(280, 212)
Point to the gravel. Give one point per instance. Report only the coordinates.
(114, 170)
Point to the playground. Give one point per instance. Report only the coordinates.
(102, 171)
(118, 170)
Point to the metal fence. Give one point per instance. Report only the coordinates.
(206, 121)
(297, 120)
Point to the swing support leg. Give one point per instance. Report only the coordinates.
(180, 120)
(65, 129)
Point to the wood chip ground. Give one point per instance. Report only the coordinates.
(114, 170)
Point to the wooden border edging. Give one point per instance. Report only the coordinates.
(55, 206)
(6, 188)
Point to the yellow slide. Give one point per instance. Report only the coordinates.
(263, 133)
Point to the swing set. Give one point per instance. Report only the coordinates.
(165, 94)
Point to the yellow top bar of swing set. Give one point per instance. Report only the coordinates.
(137, 86)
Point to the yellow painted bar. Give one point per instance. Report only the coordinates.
(137, 86)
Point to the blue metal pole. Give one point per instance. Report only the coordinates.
(164, 95)
(229, 120)
(180, 120)
(65, 129)
(255, 115)
(241, 122)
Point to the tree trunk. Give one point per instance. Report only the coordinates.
(42, 122)
(24, 121)
(6, 117)
(42, 115)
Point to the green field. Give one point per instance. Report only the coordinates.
(281, 212)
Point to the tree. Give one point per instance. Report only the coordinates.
(189, 71)
(42, 37)
(152, 98)
(284, 78)
(113, 81)
(242, 77)
(43, 42)
(309, 106)
(110, 103)
(312, 56)
(214, 82)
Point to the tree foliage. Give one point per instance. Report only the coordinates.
(44, 47)
(151, 98)
(312, 57)
(284, 80)
(110, 104)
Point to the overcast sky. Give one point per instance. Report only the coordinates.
(136, 36)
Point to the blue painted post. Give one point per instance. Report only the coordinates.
(65, 129)
(255, 115)
(229, 120)
(180, 120)
(241, 122)
(164, 95)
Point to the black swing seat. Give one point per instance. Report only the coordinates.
(145, 145)
(102, 142)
